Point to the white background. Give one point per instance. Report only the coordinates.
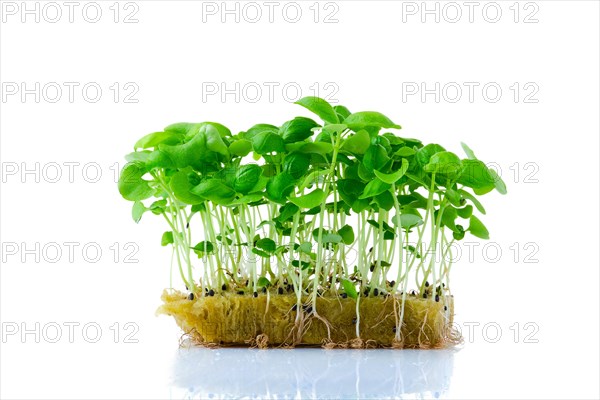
(370, 56)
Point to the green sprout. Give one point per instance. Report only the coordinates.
(334, 208)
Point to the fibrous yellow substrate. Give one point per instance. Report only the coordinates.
(231, 319)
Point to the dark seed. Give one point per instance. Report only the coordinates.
(375, 292)
(187, 225)
(191, 296)
(354, 320)
(445, 308)
(372, 268)
(255, 294)
(240, 292)
(394, 329)
(366, 292)
(211, 292)
(186, 288)
(392, 283)
(264, 289)
(343, 295)
(294, 307)
(206, 289)
(437, 298)
(280, 290)
(308, 310)
(424, 295)
(224, 287)
(426, 283)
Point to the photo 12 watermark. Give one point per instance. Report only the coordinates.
(253, 12)
(54, 12)
(470, 92)
(69, 92)
(267, 92)
(452, 12)
(69, 332)
(57, 172)
(53, 252)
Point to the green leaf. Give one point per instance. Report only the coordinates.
(327, 237)
(310, 200)
(287, 212)
(312, 178)
(349, 288)
(167, 238)
(405, 152)
(181, 184)
(246, 178)
(498, 182)
(267, 142)
(375, 157)
(320, 107)
(215, 191)
(267, 245)
(459, 234)
(468, 151)
(192, 153)
(327, 130)
(158, 159)
(297, 129)
(138, 156)
(137, 211)
(187, 129)
(263, 282)
(158, 207)
(280, 186)
(424, 154)
(316, 148)
(465, 212)
(448, 218)
(473, 199)
(131, 185)
(358, 143)
(364, 119)
(477, 228)
(296, 164)
(342, 112)
(240, 147)
(395, 176)
(476, 175)
(258, 128)
(305, 248)
(347, 234)
(444, 163)
(247, 199)
(203, 247)
(374, 188)
(350, 190)
(154, 139)
(221, 129)
(408, 220)
(385, 200)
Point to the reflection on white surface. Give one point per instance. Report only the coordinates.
(310, 373)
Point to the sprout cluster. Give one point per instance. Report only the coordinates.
(342, 207)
